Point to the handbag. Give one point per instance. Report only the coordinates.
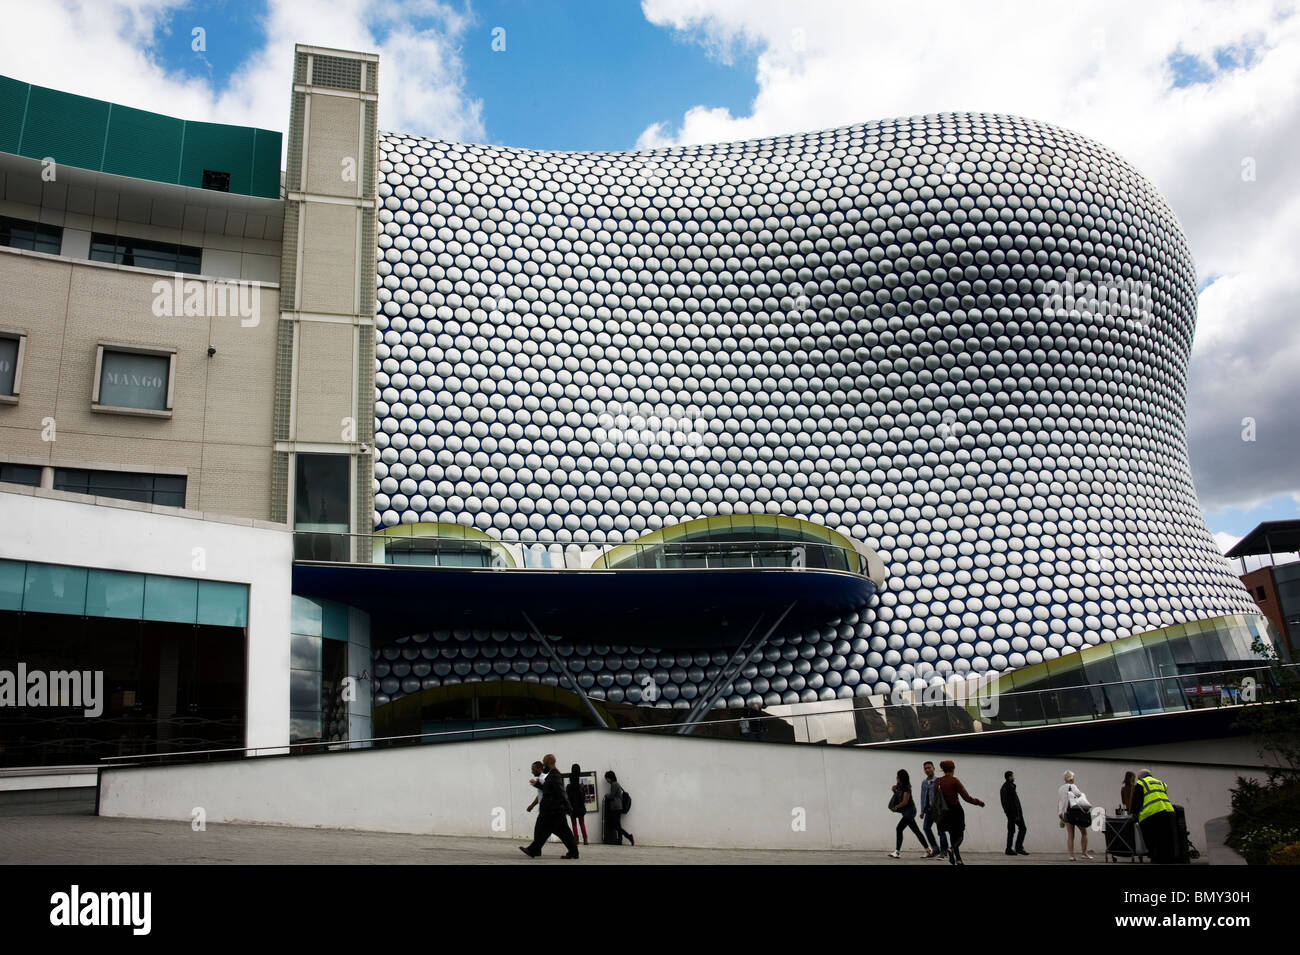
(938, 806)
(1078, 809)
(894, 800)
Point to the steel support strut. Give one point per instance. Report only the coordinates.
(564, 671)
(743, 647)
(727, 676)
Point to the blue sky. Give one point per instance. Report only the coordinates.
(233, 29)
(596, 87)
(573, 74)
(1189, 69)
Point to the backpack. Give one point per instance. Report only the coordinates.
(627, 801)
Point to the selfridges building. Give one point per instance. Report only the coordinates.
(958, 339)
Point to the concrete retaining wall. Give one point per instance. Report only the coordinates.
(687, 792)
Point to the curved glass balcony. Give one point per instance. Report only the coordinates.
(736, 542)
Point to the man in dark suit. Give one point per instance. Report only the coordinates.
(552, 812)
(1015, 815)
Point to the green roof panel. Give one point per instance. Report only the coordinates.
(91, 134)
(69, 129)
(13, 103)
(221, 149)
(143, 145)
(266, 164)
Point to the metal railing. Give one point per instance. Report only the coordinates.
(972, 710)
(412, 549)
(334, 745)
(910, 715)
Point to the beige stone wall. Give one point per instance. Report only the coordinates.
(335, 138)
(326, 368)
(329, 249)
(219, 433)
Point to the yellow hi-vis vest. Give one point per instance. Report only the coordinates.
(1155, 798)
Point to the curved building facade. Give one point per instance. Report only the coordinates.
(960, 339)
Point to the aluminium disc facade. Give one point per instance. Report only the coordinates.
(960, 338)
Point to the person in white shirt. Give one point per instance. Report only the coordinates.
(539, 774)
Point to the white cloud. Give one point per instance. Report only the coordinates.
(1102, 69)
(1225, 541)
(104, 49)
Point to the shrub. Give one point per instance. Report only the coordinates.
(1256, 844)
(1288, 854)
(1264, 815)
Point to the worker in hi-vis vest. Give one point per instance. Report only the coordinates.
(1155, 816)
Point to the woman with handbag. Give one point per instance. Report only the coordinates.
(1075, 811)
(902, 803)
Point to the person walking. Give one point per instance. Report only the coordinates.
(1155, 817)
(903, 804)
(614, 831)
(577, 802)
(1015, 815)
(953, 821)
(1075, 812)
(937, 848)
(552, 813)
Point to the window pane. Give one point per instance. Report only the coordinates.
(1206, 648)
(1162, 664)
(169, 491)
(12, 573)
(8, 364)
(148, 256)
(171, 598)
(72, 480)
(27, 474)
(321, 493)
(145, 253)
(304, 653)
(1180, 646)
(335, 623)
(104, 248)
(121, 485)
(54, 589)
(223, 604)
(304, 726)
(305, 616)
(33, 236)
(113, 593)
(304, 691)
(129, 380)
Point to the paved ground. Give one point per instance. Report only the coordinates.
(90, 840)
